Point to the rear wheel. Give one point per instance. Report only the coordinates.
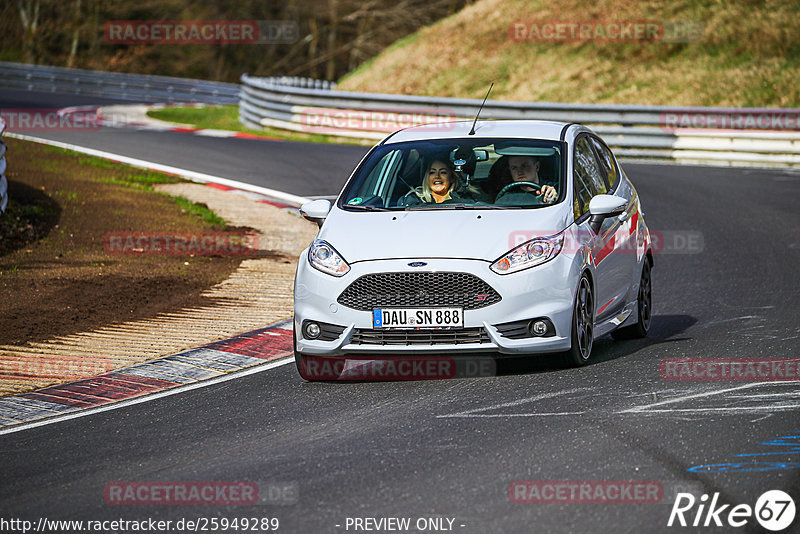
(582, 324)
(644, 305)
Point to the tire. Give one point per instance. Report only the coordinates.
(582, 324)
(644, 308)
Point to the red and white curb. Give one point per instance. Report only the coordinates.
(135, 116)
(261, 199)
(229, 358)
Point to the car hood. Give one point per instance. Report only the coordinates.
(463, 234)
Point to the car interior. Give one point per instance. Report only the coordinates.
(483, 168)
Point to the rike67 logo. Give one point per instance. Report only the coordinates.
(774, 510)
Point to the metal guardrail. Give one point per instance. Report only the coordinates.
(633, 131)
(309, 105)
(134, 87)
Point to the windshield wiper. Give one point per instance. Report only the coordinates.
(365, 208)
(432, 206)
(459, 207)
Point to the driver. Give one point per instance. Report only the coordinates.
(526, 169)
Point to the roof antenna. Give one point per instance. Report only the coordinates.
(472, 131)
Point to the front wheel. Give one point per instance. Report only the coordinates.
(644, 305)
(582, 324)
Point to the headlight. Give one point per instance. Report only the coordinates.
(324, 257)
(534, 252)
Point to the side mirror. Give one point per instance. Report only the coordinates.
(316, 211)
(604, 206)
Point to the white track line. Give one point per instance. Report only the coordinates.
(149, 165)
(150, 397)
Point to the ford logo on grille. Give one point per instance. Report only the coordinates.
(417, 264)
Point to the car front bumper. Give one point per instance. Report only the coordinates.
(542, 291)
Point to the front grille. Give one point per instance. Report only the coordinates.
(423, 289)
(365, 336)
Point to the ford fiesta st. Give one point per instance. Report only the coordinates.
(510, 237)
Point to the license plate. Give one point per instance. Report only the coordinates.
(417, 317)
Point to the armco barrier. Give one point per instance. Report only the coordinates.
(134, 87)
(303, 104)
(641, 132)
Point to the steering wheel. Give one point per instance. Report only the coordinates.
(512, 185)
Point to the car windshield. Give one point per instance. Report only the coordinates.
(458, 174)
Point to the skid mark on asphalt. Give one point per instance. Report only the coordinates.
(776, 396)
(752, 398)
(536, 398)
(194, 366)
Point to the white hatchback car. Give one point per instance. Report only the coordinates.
(523, 237)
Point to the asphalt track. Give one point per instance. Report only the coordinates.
(451, 448)
(298, 168)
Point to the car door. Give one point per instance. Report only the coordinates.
(627, 234)
(608, 256)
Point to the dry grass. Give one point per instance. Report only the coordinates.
(749, 55)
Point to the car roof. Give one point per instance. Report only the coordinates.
(528, 129)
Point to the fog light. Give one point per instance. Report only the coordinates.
(539, 328)
(311, 331)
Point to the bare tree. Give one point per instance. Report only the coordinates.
(76, 27)
(334, 36)
(29, 16)
(333, 26)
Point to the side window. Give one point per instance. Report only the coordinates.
(587, 179)
(606, 161)
(383, 170)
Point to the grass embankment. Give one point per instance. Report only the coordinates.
(56, 277)
(748, 55)
(227, 118)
